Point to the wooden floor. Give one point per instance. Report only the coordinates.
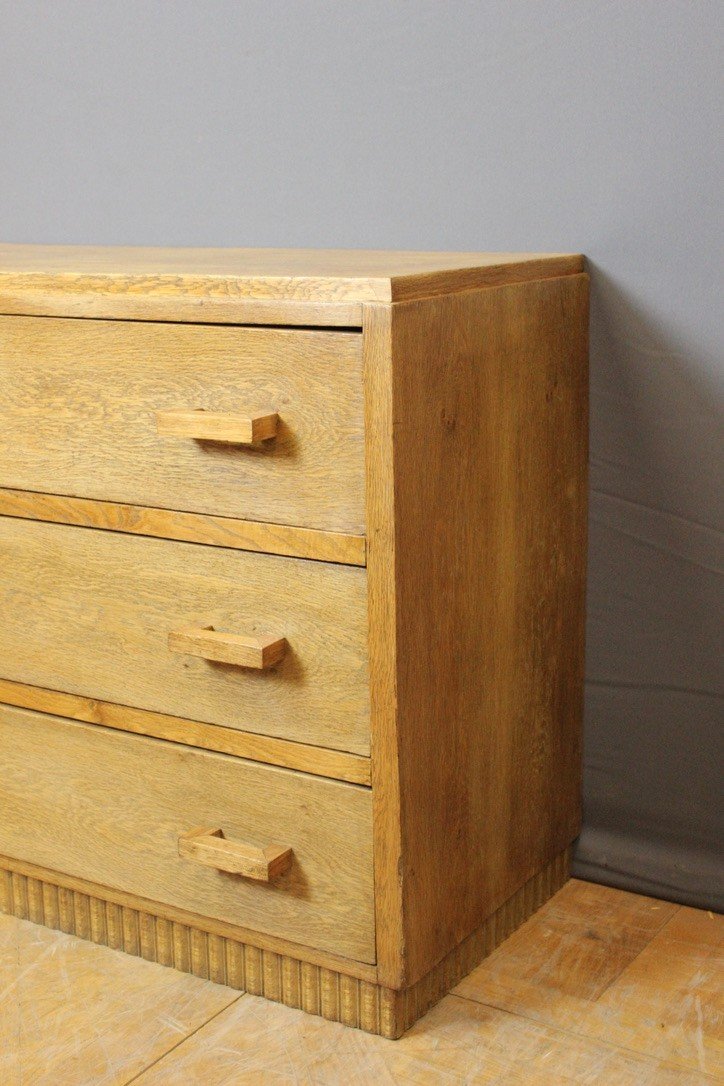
(600, 986)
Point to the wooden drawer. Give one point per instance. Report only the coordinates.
(91, 612)
(78, 416)
(110, 808)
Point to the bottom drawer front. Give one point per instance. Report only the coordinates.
(110, 808)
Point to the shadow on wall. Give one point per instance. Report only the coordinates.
(653, 749)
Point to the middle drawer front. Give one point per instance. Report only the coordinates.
(110, 808)
(90, 613)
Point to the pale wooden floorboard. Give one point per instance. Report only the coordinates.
(459, 1042)
(600, 987)
(73, 1013)
(642, 974)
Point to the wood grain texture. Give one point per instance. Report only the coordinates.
(89, 613)
(382, 604)
(320, 761)
(319, 990)
(79, 405)
(242, 535)
(119, 821)
(480, 543)
(289, 286)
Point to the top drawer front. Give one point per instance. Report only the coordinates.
(79, 399)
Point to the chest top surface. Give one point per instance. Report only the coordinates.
(331, 276)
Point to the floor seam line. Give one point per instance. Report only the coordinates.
(672, 1061)
(638, 954)
(201, 1025)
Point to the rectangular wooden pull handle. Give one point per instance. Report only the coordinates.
(233, 428)
(226, 648)
(210, 847)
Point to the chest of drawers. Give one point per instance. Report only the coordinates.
(292, 554)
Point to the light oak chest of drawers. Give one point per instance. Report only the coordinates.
(292, 554)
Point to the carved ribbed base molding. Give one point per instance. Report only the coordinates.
(279, 977)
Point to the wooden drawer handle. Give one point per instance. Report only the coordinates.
(225, 648)
(232, 428)
(210, 847)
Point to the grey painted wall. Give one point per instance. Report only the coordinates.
(501, 124)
